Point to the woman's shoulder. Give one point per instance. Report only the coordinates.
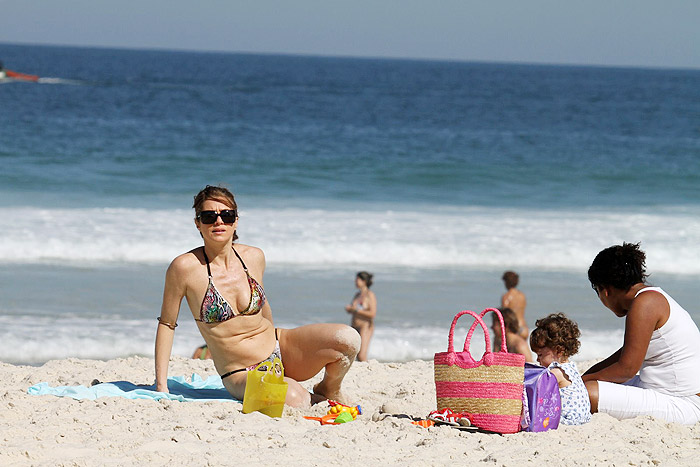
(650, 303)
(187, 261)
(252, 255)
(248, 250)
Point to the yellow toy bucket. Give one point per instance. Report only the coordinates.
(265, 389)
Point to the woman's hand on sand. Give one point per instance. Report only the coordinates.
(162, 388)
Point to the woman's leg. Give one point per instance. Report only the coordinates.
(297, 396)
(366, 331)
(592, 388)
(306, 350)
(628, 401)
(235, 384)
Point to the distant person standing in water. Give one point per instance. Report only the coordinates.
(515, 300)
(363, 309)
(514, 342)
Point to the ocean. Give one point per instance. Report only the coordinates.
(435, 176)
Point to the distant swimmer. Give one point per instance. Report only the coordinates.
(202, 353)
(514, 342)
(363, 309)
(515, 300)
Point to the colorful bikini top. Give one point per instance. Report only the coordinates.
(216, 309)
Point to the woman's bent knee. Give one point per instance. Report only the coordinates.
(348, 341)
(297, 396)
(592, 388)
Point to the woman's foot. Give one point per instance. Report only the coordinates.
(321, 392)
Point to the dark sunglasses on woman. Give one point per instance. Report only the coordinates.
(228, 216)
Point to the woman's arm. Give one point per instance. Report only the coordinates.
(644, 316)
(604, 364)
(369, 309)
(351, 307)
(523, 349)
(505, 300)
(173, 292)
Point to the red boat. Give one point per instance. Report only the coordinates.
(13, 75)
(20, 76)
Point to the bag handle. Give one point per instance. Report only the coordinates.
(504, 345)
(450, 342)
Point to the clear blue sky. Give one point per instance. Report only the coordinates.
(613, 32)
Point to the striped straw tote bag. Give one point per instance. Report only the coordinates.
(490, 390)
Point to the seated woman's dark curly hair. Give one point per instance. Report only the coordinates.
(619, 266)
(558, 333)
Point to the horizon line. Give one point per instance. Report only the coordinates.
(357, 57)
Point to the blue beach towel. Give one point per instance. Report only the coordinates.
(211, 389)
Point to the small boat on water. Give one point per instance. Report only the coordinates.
(9, 75)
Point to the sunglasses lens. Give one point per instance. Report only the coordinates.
(207, 217)
(228, 216)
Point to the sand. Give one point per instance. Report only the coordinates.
(48, 430)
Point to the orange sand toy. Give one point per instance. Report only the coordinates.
(333, 418)
(338, 413)
(424, 423)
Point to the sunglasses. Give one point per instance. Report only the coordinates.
(228, 216)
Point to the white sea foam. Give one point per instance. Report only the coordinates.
(472, 237)
(394, 344)
(61, 81)
(50, 338)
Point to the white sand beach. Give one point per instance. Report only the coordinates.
(49, 430)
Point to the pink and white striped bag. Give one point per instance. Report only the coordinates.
(490, 390)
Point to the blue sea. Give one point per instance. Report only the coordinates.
(435, 176)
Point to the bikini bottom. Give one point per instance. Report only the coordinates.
(276, 353)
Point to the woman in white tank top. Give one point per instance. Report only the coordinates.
(655, 372)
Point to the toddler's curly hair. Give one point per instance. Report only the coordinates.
(557, 332)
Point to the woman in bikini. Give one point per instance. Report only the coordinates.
(223, 284)
(363, 309)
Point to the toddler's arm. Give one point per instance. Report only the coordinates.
(562, 379)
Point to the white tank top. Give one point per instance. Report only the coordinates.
(672, 362)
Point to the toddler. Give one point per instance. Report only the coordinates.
(554, 340)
